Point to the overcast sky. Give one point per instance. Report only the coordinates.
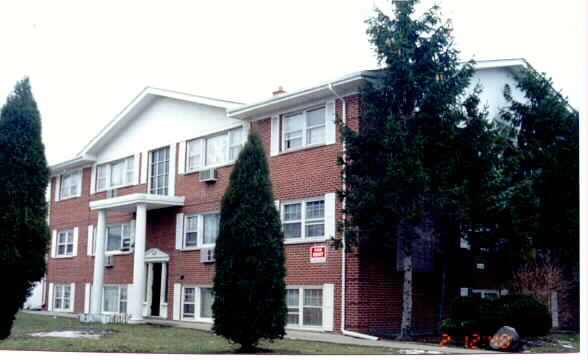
(88, 59)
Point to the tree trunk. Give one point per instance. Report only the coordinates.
(406, 325)
(443, 294)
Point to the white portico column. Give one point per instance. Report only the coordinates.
(98, 283)
(138, 293)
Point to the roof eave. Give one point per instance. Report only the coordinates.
(77, 162)
(252, 111)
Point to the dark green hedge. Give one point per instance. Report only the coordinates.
(473, 315)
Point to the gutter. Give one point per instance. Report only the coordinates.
(343, 249)
(77, 161)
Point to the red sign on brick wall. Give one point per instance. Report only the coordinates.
(318, 254)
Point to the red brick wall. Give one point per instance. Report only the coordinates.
(296, 175)
(373, 288)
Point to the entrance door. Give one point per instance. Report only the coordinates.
(156, 289)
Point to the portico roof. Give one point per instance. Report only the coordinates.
(128, 203)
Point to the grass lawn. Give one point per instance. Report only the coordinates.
(554, 343)
(154, 339)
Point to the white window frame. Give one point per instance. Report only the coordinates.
(151, 174)
(201, 144)
(128, 174)
(484, 292)
(197, 302)
(76, 175)
(69, 240)
(303, 220)
(301, 307)
(305, 128)
(200, 231)
(118, 251)
(119, 298)
(62, 297)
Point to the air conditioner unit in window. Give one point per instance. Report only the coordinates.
(111, 193)
(208, 176)
(109, 261)
(207, 255)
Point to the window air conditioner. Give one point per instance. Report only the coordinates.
(207, 255)
(111, 193)
(109, 261)
(208, 176)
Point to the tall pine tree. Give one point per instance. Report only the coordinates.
(24, 177)
(249, 287)
(404, 166)
(542, 197)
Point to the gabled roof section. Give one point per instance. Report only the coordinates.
(340, 86)
(346, 84)
(138, 104)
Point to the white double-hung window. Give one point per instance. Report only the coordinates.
(303, 128)
(305, 307)
(119, 237)
(159, 171)
(197, 303)
(62, 299)
(304, 219)
(70, 184)
(214, 150)
(115, 299)
(65, 243)
(115, 174)
(199, 230)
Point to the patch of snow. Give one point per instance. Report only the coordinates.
(70, 334)
(566, 344)
(420, 352)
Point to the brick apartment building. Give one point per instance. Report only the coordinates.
(134, 215)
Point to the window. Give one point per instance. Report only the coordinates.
(206, 300)
(303, 128)
(159, 174)
(303, 219)
(191, 234)
(115, 299)
(189, 303)
(71, 184)
(211, 224)
(197, 298)
(305, 307)
(214, 150)
(485, 294)
(200, 230)
(118, 237)
(65, 243)
(115, 174)
(62, 297)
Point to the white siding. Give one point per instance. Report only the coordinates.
(163, 122)
(493, 81)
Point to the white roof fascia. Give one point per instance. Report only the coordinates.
(77, 162)
(243, 112)
(129, 202)
(500, 63)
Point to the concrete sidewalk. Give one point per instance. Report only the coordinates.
(409, 347)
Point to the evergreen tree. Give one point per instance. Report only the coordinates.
(249, 287)
(415, 157)
(24, 177)
(542, 198)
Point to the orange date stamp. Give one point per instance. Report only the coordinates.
(501, 341)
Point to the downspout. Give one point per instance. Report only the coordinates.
(343, 248)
